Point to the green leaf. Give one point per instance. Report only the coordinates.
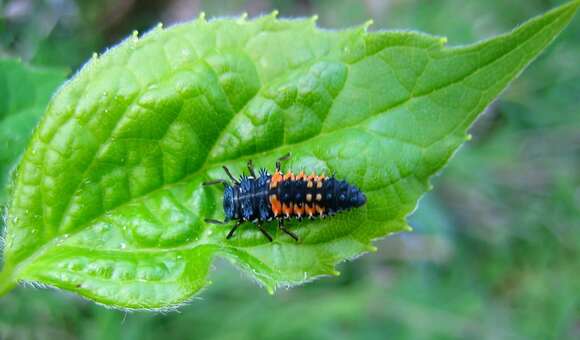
(108, 200)
(24, 93)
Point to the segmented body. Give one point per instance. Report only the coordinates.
(281, 196)
(286, 195)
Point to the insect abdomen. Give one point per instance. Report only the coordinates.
(313, 196)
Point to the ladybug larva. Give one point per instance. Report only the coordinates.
(282, 196)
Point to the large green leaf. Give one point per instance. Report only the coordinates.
(108, 199)
(24, 93)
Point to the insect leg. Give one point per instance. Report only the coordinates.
(283, 228)
(264, 232)
(212, 221)
(215, 181)
(251, 168)
(283, 158)
(230, 175)
(233, 230)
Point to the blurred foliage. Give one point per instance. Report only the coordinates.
(495, 251)
(25, 92)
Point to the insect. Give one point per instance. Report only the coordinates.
(282, 196)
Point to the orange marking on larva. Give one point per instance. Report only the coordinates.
(312, 177)
(319, 209)
(300, 176)
(298, 210)
(310, 210)
(287, 209)
(276, 178)
(289, 176)
(276, 206)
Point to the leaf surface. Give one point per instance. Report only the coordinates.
(108, 200)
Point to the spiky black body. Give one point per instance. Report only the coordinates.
(248, 200)
(284, 196)
(251, 199)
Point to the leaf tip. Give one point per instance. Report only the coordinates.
(372, 249)
(159, 26)
(201, 16)
(274, 14)
(468, 137)
(243, 17)
(335, 273)
(575, 4)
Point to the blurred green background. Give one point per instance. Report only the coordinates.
(495, 251)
